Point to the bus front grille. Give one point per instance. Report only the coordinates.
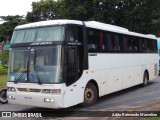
(28, 90)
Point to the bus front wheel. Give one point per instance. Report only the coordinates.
(90, 95)
(3, 96)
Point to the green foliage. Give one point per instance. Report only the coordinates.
(0, 55)
(136, 15)
(3, 81)
(150, 118)
(6, 57)
(3, 70)
(78, 10)
(43, 10)
(6, 29)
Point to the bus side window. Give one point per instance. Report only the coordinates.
(148, 47)
(113, 46)
(91, 44)
(136, 43)
(75, 34)
(117, 45)
(107, 41)
(95, 40)
(144, 45)
(120, 42)
(140, 45)
(154, 42)
(101, 41)
(125, 40)
(130, 44)
(70, 34)
(153, 46)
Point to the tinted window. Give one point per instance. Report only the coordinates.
(103, 41)
(74, 34)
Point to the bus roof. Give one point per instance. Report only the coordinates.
(90, 24)
(49, 23)
(117, 29)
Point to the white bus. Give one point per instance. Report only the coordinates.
(61, 63)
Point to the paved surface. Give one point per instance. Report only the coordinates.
(133, 99)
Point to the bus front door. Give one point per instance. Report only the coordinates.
(73, 94)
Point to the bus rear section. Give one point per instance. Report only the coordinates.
(118, 60)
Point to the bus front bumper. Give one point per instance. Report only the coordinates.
(36, 99)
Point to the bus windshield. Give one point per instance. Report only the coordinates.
(55, 33)
(36, 65)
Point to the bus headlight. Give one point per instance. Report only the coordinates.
(54, 91)
(11, 97)
(11, 89)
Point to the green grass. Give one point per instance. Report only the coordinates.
(3, 81)
(150, 118)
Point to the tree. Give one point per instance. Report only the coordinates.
(155, 25)
(42, 10)
(10, 22)
(136, 15)
(77, 10)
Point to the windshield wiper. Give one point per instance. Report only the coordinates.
(19, 77)
(39, 80)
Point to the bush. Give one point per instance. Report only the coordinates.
(3, 70)
(6, 56)
(3, 81)
(0, 55)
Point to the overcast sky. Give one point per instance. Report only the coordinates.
(15, 7)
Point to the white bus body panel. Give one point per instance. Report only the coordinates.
(114, 72)
(74, 94)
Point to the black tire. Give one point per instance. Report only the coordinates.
(145, 79)
(90, 95)
(3, 96)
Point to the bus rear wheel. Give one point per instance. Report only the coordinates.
(145, 79)
(90, 95)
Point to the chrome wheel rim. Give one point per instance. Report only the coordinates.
(89, 95)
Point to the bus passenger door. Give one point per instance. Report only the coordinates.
(71, 65)
(72, 91)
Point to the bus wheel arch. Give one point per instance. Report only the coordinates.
(96, 85)
(91, 93)
(145, 78)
